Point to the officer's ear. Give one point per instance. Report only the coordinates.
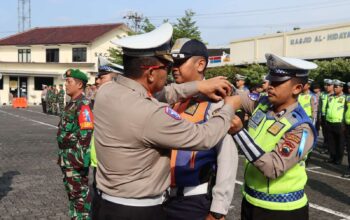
(150, 75)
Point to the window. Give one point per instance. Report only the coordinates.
(24, 55)
(52, 55)
(79, 54)
(40, 81)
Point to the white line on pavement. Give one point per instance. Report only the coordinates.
(39, 122)
(327, 174)
(318, 207)
(312, 168)
(39, 112)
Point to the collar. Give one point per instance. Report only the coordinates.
(133, 85)
(278, 115)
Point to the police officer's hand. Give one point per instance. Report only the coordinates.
(210, 217)
(215, 88)
(234, 101)
(236, 125)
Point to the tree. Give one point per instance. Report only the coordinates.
(147, 26)
(186, 27)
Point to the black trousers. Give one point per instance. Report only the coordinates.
(187, 207)
(112, 211)
(347, 135)
(43, 104)
(324, 132)
(335, 132)
(251, 212)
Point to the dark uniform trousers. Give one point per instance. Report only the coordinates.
(348, 142)
(335, 136)
(111, 211)
(251, 212)
(324, 132)
(43, 104)
(188, 207)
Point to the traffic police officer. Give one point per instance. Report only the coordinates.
(347, 123)
(201, 181)
(279, 137)
(73, 137)
(308, 101)
(134, 131)
(329, 90)
(335, 110)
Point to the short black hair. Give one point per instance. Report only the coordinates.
(300, 80)
(132, 65)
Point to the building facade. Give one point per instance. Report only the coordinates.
(41, 56)
(325, 42)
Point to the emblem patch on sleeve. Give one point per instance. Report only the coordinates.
(172, 113)
(286, 149)
(276, 127)
(86, 118)
(292, 137)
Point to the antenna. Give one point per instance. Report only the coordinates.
(24, 15)
(135, 20)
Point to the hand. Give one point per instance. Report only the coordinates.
(236, 125)
(215, 88)
(234, 101)
(210, 217)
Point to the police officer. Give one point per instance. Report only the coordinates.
(201, 182)
(240, 82)
(328, 90)
(279, 137)
(265, 86)
(134, 131)
(335, 110)
(347, 123)
(308, 101)
(73, 137)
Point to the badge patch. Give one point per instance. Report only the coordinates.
(192, 108)
(292, 137)
(276, 127)
(258, 117)
(254, 96)
(172, 113)
(86, 119)
(286, 149)
(340, 100)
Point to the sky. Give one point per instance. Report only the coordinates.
(219, 22)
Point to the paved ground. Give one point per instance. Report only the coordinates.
(31, 185)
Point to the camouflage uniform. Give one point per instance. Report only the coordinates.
(74, 135)
(54, 101)
(60, 98)
(49, 101)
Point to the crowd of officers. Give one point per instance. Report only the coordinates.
(145, 152)
(328, 109)
(52, 99)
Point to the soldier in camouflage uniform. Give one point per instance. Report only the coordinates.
(60, 98)
(54, 100)
(73, 137)
(49, 100)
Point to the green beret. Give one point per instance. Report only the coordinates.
(77, 74)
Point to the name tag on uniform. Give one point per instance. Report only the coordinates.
(192, 108)
(276, 127)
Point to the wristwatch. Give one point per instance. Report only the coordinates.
(217, 215)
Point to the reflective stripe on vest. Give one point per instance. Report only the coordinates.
(335, 109)
(324, 99)
(187, 166)
(305, 102)
(293, 180)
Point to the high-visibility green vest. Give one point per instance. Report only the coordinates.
(305, 102)
(324, 99)
(335, 109)
(347, 113)
(93, 157)
(294, 179)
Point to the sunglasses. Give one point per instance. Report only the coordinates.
(167, 67)
(179, 62)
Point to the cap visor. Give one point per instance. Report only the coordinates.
(272, 78)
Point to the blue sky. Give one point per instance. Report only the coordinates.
(219, 21)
